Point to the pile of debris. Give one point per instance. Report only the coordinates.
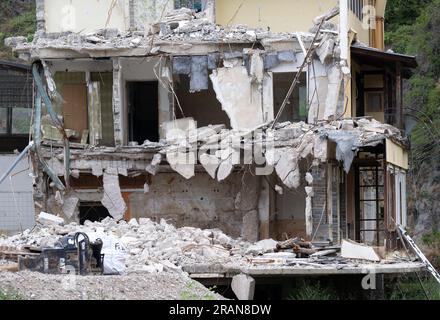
(147, 246)
(282, 146)
(179, 26)
(143, 246)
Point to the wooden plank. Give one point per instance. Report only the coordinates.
(399, 96)
(75, 107)
(12, 267)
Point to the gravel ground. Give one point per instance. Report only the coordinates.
(147, 286)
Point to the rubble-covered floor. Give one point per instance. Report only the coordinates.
(160, 259)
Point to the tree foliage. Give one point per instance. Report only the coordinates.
(17, 18)
(413, 27)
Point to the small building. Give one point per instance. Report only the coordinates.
(17, 208)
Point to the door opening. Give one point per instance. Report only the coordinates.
(370, 203)
(92, 211)
(143, 111)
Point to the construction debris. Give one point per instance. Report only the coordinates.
(354, 250)
(48, 219)
(148, 247)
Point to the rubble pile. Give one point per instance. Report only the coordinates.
(282, 147)
(149, 246)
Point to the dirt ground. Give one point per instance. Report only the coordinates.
(147, 286)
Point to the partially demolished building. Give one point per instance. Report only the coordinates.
(146, 110)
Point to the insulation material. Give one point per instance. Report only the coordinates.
(199, 74)
(287, 56)
(113, 200)
(213, 61)
(271, 61)
(239, 98)
(345, 147)
(182, 65)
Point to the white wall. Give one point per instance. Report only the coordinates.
(85, 15)
(16, 201)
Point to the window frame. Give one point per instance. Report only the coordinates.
(9, 115)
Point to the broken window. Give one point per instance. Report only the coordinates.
(15, 106)
(92, 211)
(197, 5)
(15, 102)
(202, 106)
(143, 111)
(296, 108)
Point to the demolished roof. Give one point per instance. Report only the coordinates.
(182, 29)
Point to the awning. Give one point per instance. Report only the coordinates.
(377, 57)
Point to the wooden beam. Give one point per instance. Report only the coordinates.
(399, 96)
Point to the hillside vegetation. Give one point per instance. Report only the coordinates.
(17, 18)
(413, 27)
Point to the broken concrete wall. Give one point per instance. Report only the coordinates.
(144, 13)
(231, 206)
(241, 99)
(202, 106)
(325, 85)
(201, 202)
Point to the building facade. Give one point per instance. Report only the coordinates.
(291, 126)
(17, 209)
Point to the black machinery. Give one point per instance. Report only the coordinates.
(71, 254)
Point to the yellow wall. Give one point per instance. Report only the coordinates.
(362, 34)
(291, 15)
(279, 15)
(85, 16)
(396, 155)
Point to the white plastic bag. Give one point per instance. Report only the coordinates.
(115, 253)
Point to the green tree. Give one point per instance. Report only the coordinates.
(413, 27)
